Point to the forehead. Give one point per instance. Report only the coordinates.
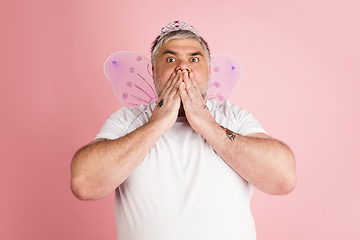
(181, 46)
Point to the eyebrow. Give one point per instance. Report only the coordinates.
(196, 54)
(169, 51)
(191, 54)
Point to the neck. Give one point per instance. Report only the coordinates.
(181, 112)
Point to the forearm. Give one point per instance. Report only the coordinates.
(266, 163)
(100, 167)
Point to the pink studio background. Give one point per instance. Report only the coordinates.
(301, 80)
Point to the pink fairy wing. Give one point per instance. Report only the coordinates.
(131, 76)
(226, 72)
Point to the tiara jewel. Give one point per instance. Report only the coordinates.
(175, 26)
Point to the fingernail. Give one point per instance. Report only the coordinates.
(191, 74)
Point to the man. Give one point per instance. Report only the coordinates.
(183, 167)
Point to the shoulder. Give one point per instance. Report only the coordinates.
(235, 118)
(141, 113)
(125, 120)
(227, 110)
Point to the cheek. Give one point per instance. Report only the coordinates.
(163, 72)
(202, 80)
(202, 76)
(161, 78)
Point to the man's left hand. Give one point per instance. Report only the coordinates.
(196, 111)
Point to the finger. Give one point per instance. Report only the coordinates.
(171, 90)
(184, 95)
(164, 91)
(191, 89)
(193, 82)
(186, 79)
(177, 87)
(175, 84)
(171, 79)
(170, 84)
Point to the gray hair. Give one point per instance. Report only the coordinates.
(179, 34)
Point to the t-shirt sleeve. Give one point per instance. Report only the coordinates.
(242, 121)
(248, 124)
(114, 127)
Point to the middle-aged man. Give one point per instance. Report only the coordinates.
(183, 167)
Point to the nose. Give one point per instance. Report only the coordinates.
(182, 65)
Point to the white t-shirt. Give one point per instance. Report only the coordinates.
(183, 190)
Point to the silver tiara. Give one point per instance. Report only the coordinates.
(175, 26)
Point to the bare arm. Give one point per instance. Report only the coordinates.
(266, 163)
(100, 167)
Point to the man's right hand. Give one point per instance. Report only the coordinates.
(100, 167)
(168, 104)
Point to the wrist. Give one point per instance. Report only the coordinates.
(207, 127)
(158, 126)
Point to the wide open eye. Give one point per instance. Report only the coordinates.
(170, 59)
(194, 59)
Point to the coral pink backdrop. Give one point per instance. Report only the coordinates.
(301, 80)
